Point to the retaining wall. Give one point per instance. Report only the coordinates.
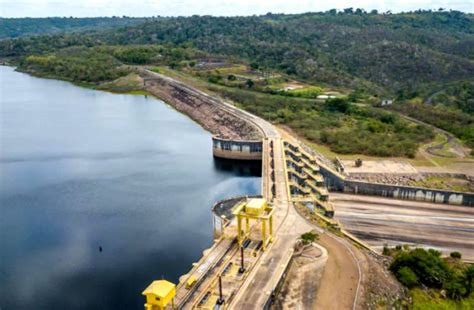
(336, 182)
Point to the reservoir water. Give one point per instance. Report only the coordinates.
(100, 194)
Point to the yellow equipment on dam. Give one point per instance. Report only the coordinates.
(257, 209)
(159, 294)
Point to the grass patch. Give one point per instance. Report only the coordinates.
(138, 92)
(450, 183)
(305, 92)
(432, 300)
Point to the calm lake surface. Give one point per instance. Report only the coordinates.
(82, 169)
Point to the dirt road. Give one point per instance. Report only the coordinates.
(341, 277)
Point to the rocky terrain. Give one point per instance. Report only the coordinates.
(211, 117)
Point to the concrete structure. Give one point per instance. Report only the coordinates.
(255, 209)
(237, 149)
(256, 287)
(335, 179)
(159, 294)
(338, 182)
(306, 184)
(386, 102)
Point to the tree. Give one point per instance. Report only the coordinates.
(249, 83)
(348, 11)
(337, 104)
(254, 66)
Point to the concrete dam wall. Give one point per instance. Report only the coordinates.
(337, 182)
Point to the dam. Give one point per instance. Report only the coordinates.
(208, 283)
(246, 264)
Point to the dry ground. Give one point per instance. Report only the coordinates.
(380, 221)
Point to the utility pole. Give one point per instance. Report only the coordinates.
(242, 268)
(220, 301)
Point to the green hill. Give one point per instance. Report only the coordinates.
(420, 56)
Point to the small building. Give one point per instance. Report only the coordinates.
(159, 294)
(386, 102)
(326, 97)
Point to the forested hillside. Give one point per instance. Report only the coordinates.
(401, 53)
(424, 60)
(17, 27)
(398, 52)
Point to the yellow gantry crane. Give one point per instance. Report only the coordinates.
(256, 209)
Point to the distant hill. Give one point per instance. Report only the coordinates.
(423, 59)
(18, 27)
(401, 53)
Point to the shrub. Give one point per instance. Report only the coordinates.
(309, 237)
(456, 255)
(214, 79)
(337, 105)
(407, 277)
(455, 289)
(431, 270)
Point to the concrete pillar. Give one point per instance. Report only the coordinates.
(264, 234)
(239, 230)
(270, 224)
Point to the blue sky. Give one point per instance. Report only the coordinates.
(83, 8)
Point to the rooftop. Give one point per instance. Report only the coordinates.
(160, 288)
(256, 204)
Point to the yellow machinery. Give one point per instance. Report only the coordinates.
(191, 281)
(159, 294)
(257, 209)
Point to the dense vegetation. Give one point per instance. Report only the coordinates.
(426, 268)
(101, 63)
(451, 119)
(17, 27)
(346, 128)
(396, 52)
(76, 64)
(413, 57)
(400, 51)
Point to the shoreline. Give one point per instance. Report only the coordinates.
(196, 108)
(221, 123)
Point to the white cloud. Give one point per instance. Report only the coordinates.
(82, 8)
